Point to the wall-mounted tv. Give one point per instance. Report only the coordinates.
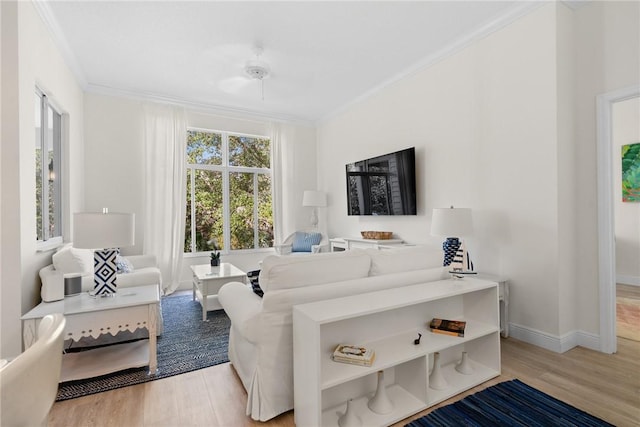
(383, 185)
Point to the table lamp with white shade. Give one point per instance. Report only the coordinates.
(104, 233)
(454, 224)
(314, 199)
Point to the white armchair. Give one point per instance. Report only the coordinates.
(29, 383)
(303, 242)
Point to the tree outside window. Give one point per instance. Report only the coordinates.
(228, 192)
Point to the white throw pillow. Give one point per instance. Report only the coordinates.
(390, 261)
(73, 260)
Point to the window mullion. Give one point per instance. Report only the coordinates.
(255, 211)
(226, 216)
(192, 178)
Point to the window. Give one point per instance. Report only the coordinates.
(48, 158)
(228, 192)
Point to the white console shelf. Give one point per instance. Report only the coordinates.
(389, 321)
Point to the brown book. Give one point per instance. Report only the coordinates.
(449, 327)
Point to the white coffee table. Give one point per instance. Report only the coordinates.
(88, 316)
(208, 280)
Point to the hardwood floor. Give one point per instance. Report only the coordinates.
(607, 386)
(628, 291)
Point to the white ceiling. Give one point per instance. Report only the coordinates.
(323, 55)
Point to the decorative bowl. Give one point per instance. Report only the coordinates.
(377, 235)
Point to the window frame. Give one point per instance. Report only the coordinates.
(47, 241)
(225, 169)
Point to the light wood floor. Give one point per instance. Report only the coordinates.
(607, 386)
(628, 291)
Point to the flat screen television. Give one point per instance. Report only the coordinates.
(383, 185)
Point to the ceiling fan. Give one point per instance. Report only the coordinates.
(255, 69)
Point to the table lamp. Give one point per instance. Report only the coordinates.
(452, 223)
(314, 199)
(105, 233)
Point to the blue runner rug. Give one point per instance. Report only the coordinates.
(511, 403)
(187, 344)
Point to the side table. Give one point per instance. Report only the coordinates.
(208, 280)
(88, 316)
(503, 295)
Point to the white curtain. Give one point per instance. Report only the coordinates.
(165, 187)
(282, 154)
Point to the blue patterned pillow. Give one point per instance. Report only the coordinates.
(254, 278)
(124, 265)
(302, 241)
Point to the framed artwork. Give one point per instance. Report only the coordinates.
(631, 172)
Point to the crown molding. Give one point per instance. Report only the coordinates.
(575, 4)
(220, 110)
(456, 46)
(51, 23)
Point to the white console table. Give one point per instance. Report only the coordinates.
(346, 243)
(88, 316)
(388, 321)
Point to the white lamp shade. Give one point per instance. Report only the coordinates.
(93, 230)
(451, 222)
(314, 198)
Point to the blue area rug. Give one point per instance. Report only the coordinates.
(511, 403)
(187, 344)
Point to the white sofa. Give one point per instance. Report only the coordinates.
(70, 260)
(261, 335)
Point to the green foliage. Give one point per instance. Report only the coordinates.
(205, 149)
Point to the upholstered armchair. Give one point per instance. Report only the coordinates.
(29, 383)
(303, 243)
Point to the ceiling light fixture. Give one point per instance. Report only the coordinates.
(257, 69)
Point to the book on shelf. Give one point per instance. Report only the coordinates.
(448, 327)
(353, 354)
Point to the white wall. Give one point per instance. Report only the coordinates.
(506, 127)
(626, 130)
(607, 46)
(38, 63)
(114, 155)
(483, 122)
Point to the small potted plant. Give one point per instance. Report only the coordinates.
(215, 255)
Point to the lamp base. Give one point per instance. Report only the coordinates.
(450, 247)
(105, 271)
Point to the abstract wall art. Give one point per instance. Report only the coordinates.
(631, 172)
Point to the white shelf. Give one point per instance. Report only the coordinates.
(91, 363)
(459, 382)
(403, 401)
(389, 321)
(397, 349)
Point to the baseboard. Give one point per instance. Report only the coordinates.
(558, 344)
(628, 280)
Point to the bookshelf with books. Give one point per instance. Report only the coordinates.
(388, 322)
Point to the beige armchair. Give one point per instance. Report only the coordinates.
(303, 243)
(29, 383)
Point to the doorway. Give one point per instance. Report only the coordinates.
(606, 230)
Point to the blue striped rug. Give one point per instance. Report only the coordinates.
(187, 344)
(511, 403)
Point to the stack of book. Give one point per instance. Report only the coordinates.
(448, 327)
(353, 354)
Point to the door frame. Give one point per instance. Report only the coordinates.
(606, 225)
